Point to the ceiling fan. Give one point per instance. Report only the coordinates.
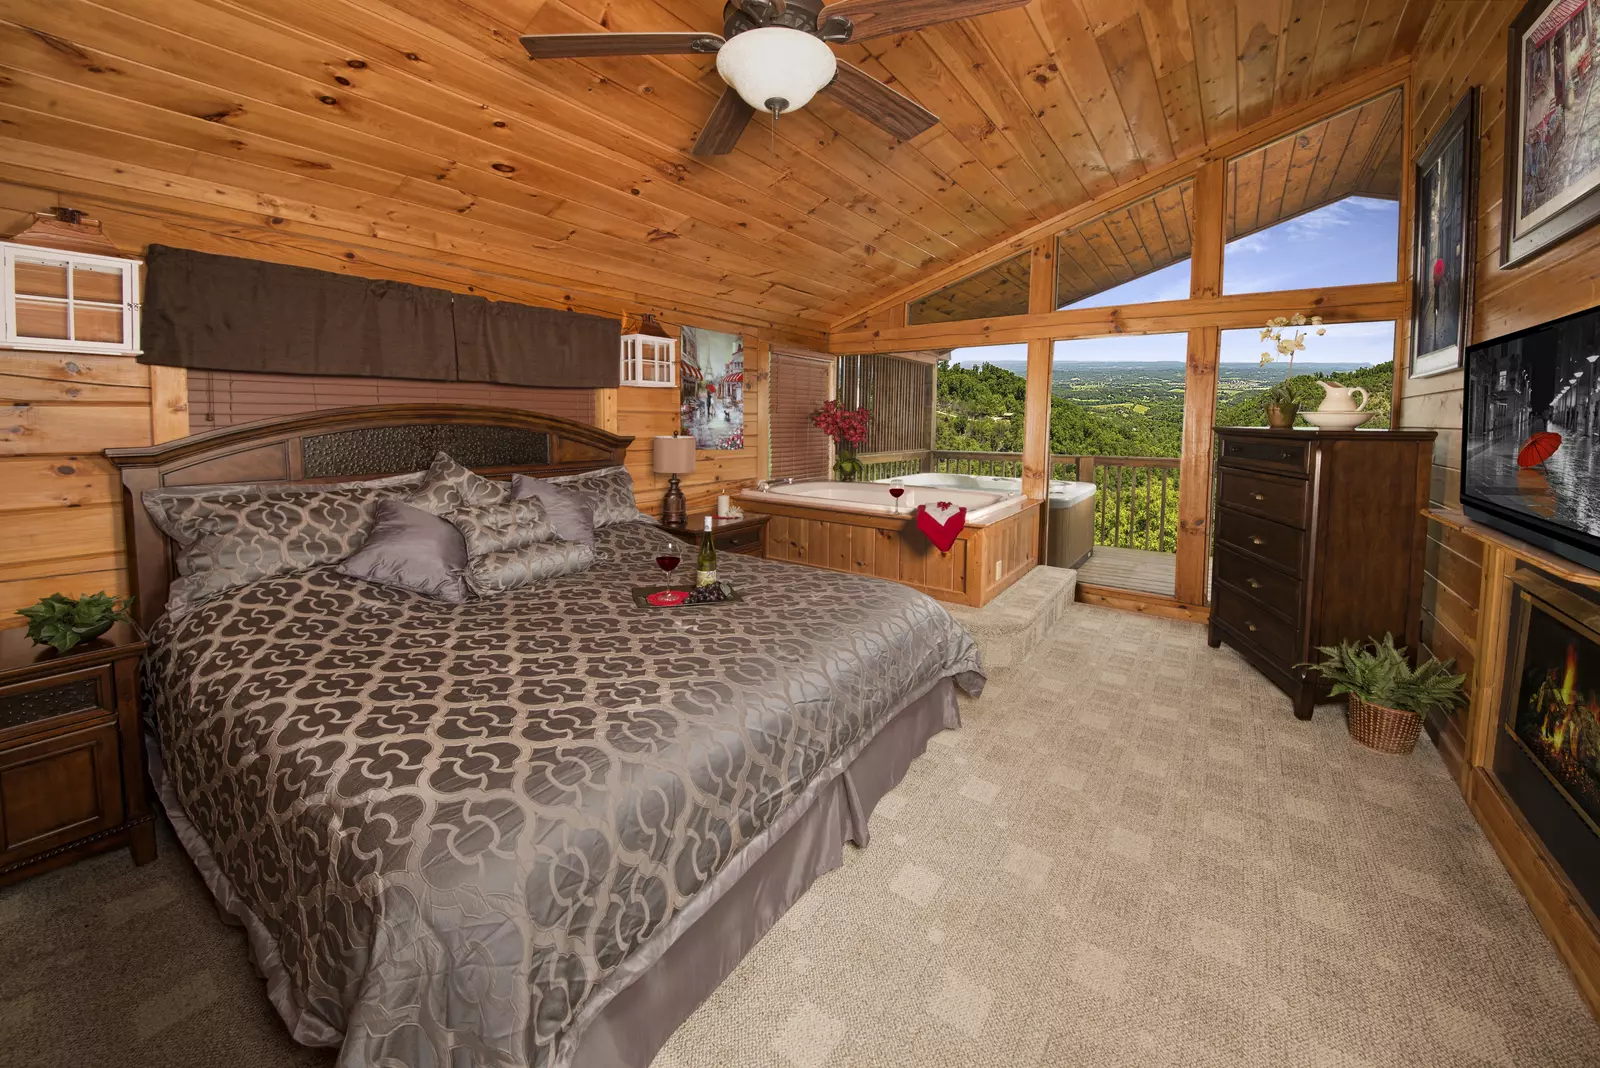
(774, 55)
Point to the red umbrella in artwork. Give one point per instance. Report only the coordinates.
(1539, 448)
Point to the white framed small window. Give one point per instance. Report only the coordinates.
(68, 301)
(649, 359)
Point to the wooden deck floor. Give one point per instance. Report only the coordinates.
(1130, 569)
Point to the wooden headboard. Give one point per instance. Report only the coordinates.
(337, 445)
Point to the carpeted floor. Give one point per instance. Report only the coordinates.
(1131, 855)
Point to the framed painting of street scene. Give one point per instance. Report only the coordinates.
(1552, 187)
(1445, 244)
(711, 387)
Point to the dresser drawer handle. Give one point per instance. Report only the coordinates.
(1253, 583)
(1257, 539)
(1258, 496)
(1249, 626)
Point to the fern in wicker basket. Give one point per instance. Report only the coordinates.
(1389, 698)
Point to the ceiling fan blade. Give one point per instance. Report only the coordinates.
(575, 45)
(727, 122)
(877, 103)
(879, 18)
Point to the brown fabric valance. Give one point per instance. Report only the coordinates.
(520, 345)
(222, 313)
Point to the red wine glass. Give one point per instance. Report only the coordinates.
(669, 556)
(897, 489)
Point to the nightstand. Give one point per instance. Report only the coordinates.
(72, 778)
(747, 536)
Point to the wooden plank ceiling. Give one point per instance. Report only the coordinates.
(419, 130)
(1354, 153)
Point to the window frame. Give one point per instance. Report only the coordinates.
(12, 252)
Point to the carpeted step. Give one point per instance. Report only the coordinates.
(1008, 627)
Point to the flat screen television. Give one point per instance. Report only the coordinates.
(1530, 463)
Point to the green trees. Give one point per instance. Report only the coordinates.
(1123, 410)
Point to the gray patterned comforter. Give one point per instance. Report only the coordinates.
(455, 821)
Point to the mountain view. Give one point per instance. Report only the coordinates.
(1127, 409)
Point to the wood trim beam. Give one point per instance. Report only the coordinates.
(1149, 604)
(1036, 420)
(1336, 304)
(1323, 105)
(169, 404)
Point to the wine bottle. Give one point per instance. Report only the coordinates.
(705, 571)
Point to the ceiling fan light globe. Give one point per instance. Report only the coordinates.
(776, 63)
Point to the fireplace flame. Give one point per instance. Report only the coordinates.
(1571, 681)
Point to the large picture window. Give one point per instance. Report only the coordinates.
(1320, 207)
(1137, 254)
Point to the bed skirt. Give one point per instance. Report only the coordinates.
(636, 1010)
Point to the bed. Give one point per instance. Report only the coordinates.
(533, 830)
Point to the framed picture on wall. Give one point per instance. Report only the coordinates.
(1444, 245)
(711, 387)
(1552, 186)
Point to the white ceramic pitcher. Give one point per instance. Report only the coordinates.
(1337, 398)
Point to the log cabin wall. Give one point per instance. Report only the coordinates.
(61, 501)
(1465, 44)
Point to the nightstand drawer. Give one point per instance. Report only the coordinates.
(1263, 539)
(58, 790)
(1283, 499)
(59, 695)
(747, 540)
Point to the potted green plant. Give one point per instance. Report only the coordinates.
(63, 622)
(1281, 407)
(1388, 697)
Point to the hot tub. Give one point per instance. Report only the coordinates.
(1071, 532)
(983, 505)
(856, 527)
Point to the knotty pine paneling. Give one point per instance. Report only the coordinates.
(60, 506)
(1464, 44)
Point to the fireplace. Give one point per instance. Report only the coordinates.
(1550, 714)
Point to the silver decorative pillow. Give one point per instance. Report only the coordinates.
(449, 485)
(501, 572)
(571, 511)
(611, 489)
(495, 528)
(413, 550)
(230, 535)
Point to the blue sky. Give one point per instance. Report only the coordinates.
(1352, 241)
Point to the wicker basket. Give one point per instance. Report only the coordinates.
(1388, 730)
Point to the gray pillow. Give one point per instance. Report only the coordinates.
(233, 534)
(450, 485)
(570, 510)
(494, 528)
(610, 489)
(413, 550)
(501, 572)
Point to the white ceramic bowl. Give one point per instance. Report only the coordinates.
(1336, 420)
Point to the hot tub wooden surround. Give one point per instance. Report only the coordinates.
(982, 563)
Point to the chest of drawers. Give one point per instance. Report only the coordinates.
(1318, 537)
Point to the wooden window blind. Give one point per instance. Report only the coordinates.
(799, 387)
(226, 398)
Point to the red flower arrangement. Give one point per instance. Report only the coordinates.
(847, 426)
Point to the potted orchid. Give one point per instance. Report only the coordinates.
(1280, 403)
(847, 427)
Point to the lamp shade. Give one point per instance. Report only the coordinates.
(775, 68)
(674, 455)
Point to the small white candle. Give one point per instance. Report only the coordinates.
(722, 505)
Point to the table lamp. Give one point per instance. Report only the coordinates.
(674, 456)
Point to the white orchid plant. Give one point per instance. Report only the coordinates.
(1287, 337)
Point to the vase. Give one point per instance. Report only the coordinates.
(846, 467)
(1281, 416)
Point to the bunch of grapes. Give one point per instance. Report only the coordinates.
(712, 594)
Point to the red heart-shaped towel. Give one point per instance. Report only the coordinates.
(942, 523)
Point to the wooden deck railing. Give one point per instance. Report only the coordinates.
(1136, 497)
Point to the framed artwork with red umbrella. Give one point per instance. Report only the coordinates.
(1444, 232)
